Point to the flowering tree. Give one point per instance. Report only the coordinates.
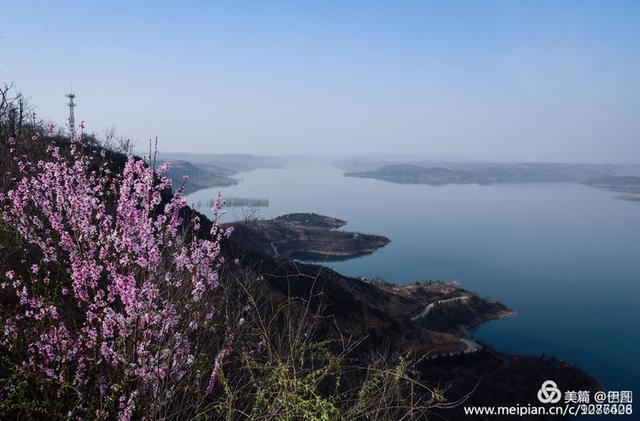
(122, 312)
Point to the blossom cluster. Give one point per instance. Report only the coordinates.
(123, 300)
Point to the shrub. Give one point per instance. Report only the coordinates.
(115, 309)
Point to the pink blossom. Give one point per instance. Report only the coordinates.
(126, 278)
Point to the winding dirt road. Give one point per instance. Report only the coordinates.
(430, 306)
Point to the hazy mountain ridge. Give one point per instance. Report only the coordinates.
(198, 178)
(229, 163)
(441, 173)
(209, 170)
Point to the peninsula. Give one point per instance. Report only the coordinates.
(307, 236)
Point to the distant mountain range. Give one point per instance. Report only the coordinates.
(414, 174)
(622, 178)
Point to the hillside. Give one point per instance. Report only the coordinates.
(198, 178)
(393, 318)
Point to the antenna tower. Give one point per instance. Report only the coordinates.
(72, 120)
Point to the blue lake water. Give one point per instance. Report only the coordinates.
(566, 257)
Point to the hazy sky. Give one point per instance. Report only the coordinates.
(495, 80)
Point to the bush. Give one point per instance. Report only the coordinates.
(117, 308)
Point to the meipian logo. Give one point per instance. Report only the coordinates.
(549, 392)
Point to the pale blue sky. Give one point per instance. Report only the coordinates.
(494, 80)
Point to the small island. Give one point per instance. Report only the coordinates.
(306, 236)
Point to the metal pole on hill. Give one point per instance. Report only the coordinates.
(72, 120)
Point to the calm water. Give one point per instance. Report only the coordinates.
(565, 257)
